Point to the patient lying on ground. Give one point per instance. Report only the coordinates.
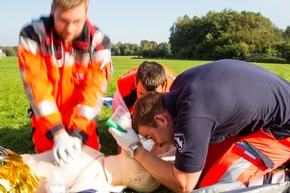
(91, 170)
(94, 170)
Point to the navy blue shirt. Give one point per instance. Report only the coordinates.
(218, 100)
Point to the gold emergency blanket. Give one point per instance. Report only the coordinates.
(15, 176)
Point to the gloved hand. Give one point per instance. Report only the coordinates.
(148, 144)
(124, 139)
(66, 148)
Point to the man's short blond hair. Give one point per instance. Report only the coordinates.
(65, 4)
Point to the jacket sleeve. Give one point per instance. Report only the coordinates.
(37, 85)
(93, 90)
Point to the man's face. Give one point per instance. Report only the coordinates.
(69, 23)
(141, 90)
(161, 135)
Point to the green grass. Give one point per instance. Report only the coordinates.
(15, 127)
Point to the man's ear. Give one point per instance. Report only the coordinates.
(161, 119)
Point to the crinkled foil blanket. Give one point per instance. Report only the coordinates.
(15, 176)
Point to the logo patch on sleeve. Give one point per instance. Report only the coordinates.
(179, 141)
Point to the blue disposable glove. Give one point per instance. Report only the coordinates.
(66, 148)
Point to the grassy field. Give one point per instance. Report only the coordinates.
(15, 127)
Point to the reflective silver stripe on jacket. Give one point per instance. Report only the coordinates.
(29, 94)
(102, 55)
(170, 75)
(28, 44)
(47, 107)
(89, 112)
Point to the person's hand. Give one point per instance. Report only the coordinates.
(66, 148)
(124, 139)
(148, 144)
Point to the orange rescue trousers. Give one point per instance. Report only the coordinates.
(234, 159)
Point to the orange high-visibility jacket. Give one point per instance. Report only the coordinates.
(64, 83)
(127, 87)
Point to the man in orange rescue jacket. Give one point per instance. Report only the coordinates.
(65, 63)
(148, 76)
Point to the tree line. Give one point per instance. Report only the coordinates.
(228, 34)
(9, 51)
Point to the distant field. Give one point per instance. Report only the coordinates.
(15, 127)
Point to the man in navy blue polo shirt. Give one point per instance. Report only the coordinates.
(228, 116)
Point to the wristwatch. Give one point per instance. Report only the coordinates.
(132, 148)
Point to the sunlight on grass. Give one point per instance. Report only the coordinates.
(15, 127)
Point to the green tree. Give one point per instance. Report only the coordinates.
(225, 34)
(115, 49)
(286, 34)
(9, 51)
(163, 50)
(147, 49)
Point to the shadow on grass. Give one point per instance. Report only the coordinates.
(18, 140)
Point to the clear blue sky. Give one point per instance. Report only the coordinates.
(130, 21)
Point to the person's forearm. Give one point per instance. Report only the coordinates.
(160, 170)
(166, 173)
